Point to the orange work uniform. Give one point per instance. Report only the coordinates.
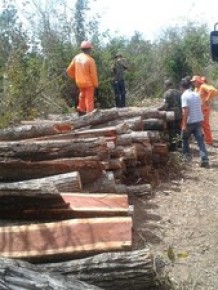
(83, 70)
(207, 93)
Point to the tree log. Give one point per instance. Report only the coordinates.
(144, 137)
(47, 150)
(114, 164)
(128, 153)
(95, 118)
(89, 168)
(134, 190)
(34, 131)
(105, 184)
(113, 271)
(69, 238)
(145, 113)
(68, 182)
(154, 124)
(143, 151)
(134, 124)
(16, 275)
(106, 132)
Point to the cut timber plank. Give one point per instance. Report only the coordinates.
(71, 238)
(67, 206)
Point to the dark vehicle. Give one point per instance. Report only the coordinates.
(214, 43)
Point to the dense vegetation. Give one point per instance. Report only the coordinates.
(37, 42)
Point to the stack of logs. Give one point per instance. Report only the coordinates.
(74, 175)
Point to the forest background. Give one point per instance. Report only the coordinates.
(34, 58)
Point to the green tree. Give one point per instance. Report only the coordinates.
(81, 8)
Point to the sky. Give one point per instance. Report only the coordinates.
(124, 17)
(149, 17)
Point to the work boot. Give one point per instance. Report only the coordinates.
(80, 113)
(205, 164)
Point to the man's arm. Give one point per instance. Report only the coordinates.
(71, 70)
(211, 92)
(165, 105)
(185, 113)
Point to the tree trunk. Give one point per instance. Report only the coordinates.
(114, 164)
(112, 271)
(154, 124)
(106, 132)
(144, 137)
(47, 150)
(134, 124)
(105, 184)
(20, 276)
(128, 153)
(68, 182)
(88, 167)
(34, 131)
(145, 113)
(65, 239)
(95, 118)
(134, 190)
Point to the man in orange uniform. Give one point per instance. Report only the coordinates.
(83, 70)
(207, 93)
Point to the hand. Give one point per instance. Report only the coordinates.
(184, 128)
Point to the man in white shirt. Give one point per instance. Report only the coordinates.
(192, 118)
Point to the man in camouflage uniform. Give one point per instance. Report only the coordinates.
(117, 73)
(172, 102)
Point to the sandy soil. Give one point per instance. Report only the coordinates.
(183, 215)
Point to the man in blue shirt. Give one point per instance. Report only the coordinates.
(192, 118)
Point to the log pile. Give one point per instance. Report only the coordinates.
(110, 149)
(68, 181)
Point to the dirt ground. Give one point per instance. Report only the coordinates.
(182, 215)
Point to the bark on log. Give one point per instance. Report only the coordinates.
(105, 132)
(118, 175)
(112, 271)
(34, 131)
(145, 113)
(134, 190)
(20, 276)
(70, 206)
(128, 153)
(68, 182)
(108, 132)
(134, 124)
(69, 238)
(143, 152)
(105, 184)
(89, 168)
(47, 150)
(95, 118)
(113, 164)
(154, 124)
(144, 137)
